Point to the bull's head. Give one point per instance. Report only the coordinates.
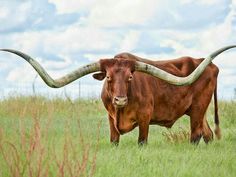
(118, 73)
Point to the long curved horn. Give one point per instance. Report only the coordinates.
(57, 83)
(175, 80)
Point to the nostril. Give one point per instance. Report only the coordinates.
(116, 99)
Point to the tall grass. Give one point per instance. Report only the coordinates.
(61, 137)
(28, 147)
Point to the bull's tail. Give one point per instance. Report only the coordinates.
(217, 128)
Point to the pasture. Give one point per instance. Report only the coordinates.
(56, 137)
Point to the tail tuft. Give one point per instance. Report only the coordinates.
(218, 132)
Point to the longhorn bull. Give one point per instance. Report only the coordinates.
(140, 92)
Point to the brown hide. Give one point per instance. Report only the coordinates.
(153, 101)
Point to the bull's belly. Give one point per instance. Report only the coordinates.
(126, 125)
(166, 120)
(129, 125)
(167, 116)
(128, 122)
(165, 123)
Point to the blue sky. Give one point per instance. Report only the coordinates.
(63, 35)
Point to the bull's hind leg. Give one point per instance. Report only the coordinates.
(200, 128)
(207, 132)
(198, 123)
(201, 100)
(196, 129)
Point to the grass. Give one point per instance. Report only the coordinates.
(42, 137)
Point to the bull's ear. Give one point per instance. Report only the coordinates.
(99, 76)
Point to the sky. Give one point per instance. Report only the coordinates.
(65, 34)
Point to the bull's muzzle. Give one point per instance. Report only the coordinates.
(120, 101)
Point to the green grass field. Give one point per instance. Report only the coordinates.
(41, 137)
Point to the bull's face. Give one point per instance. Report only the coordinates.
(118, 74)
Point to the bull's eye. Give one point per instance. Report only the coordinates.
(130, 77)
(108, 78)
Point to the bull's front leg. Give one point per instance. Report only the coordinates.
(143, 132)
(114, 135)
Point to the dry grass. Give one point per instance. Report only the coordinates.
(33, 151)
(182, 135)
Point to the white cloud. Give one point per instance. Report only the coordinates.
(218, 35)
(21, 74)
(4, 12)
(123, 12)
(130, 40)
(96, 57)
(202, 41)
(72, 6)
(77, 38)
(203, 2)
(28, 42)
(25, 72)
(74, 39)
(56, 65)
(104, 13)
(3, 65)
(12, 15)
(227, 60)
